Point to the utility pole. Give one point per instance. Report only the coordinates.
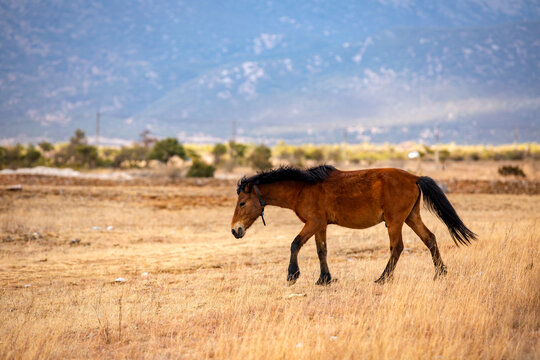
(233, 138)
(98, 115)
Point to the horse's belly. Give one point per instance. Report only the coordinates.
(357, 217)
(359, 223)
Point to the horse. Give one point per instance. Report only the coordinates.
(359, 199)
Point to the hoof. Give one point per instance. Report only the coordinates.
(292, 277)
(384, 279)
(325, 279)
(440, 272)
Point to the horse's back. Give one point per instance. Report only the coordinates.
(363, 198)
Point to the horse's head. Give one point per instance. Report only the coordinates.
(248, 208)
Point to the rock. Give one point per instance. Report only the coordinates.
(176, 161)
(65, 172)
(290, 296)
(96, 228)
(110, 228)
(17, 187)
(145, 274)
(413, 155)
(155, 164)
(75, 241)
(120, 280)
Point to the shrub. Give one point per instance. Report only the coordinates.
(260, 158)
(511, 171)
(218, 151)
(192, 154)
(316, 154)
(335, 154)
(165, 149)
(238, 151)
(86, 155)
(201, 169)
(46, 146)
(2, 158)
(78, 153)
(298, 157)
(444, 155)
(14, 156)
(130, 155)
(32, 156)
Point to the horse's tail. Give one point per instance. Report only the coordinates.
(437, 203)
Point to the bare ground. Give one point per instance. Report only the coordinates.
(193, 291)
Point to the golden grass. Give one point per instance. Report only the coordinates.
(208, 295)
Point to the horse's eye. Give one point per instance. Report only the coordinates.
(242, 204)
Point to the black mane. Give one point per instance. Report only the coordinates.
(287, 173)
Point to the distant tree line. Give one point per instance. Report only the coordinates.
(205, 159)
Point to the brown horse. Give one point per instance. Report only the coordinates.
(359, 199)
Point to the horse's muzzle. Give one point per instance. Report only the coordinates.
(238, 233)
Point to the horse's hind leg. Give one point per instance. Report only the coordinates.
(415, 222)
(320, 240)
(396, 247)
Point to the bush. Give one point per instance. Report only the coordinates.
(218, 151)
(260, 158)
(511, 171)
(78, 153)
(238, 151)
(165, 149)
(46, 146)
(201, 169)
(2, 158)
(14, 156)
(444, 155)
(316, 154)
(192, 154)
(86, 155)
(335, 154)
(32, 156)
(298, 157)
(130, 155)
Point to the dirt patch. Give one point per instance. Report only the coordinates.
(31, 179)
(457, 186)
(516, 187)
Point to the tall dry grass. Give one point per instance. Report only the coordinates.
(208, 295)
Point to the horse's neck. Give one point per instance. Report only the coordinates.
(282, 194)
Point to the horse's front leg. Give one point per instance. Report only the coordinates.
(309, 229)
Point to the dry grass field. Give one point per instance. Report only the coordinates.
(193, 291)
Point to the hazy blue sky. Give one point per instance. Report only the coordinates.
(302, 71)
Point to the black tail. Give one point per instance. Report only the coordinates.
(437, 202)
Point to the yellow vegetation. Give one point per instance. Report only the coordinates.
(193, 291)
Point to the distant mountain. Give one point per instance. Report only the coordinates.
(388, 71)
